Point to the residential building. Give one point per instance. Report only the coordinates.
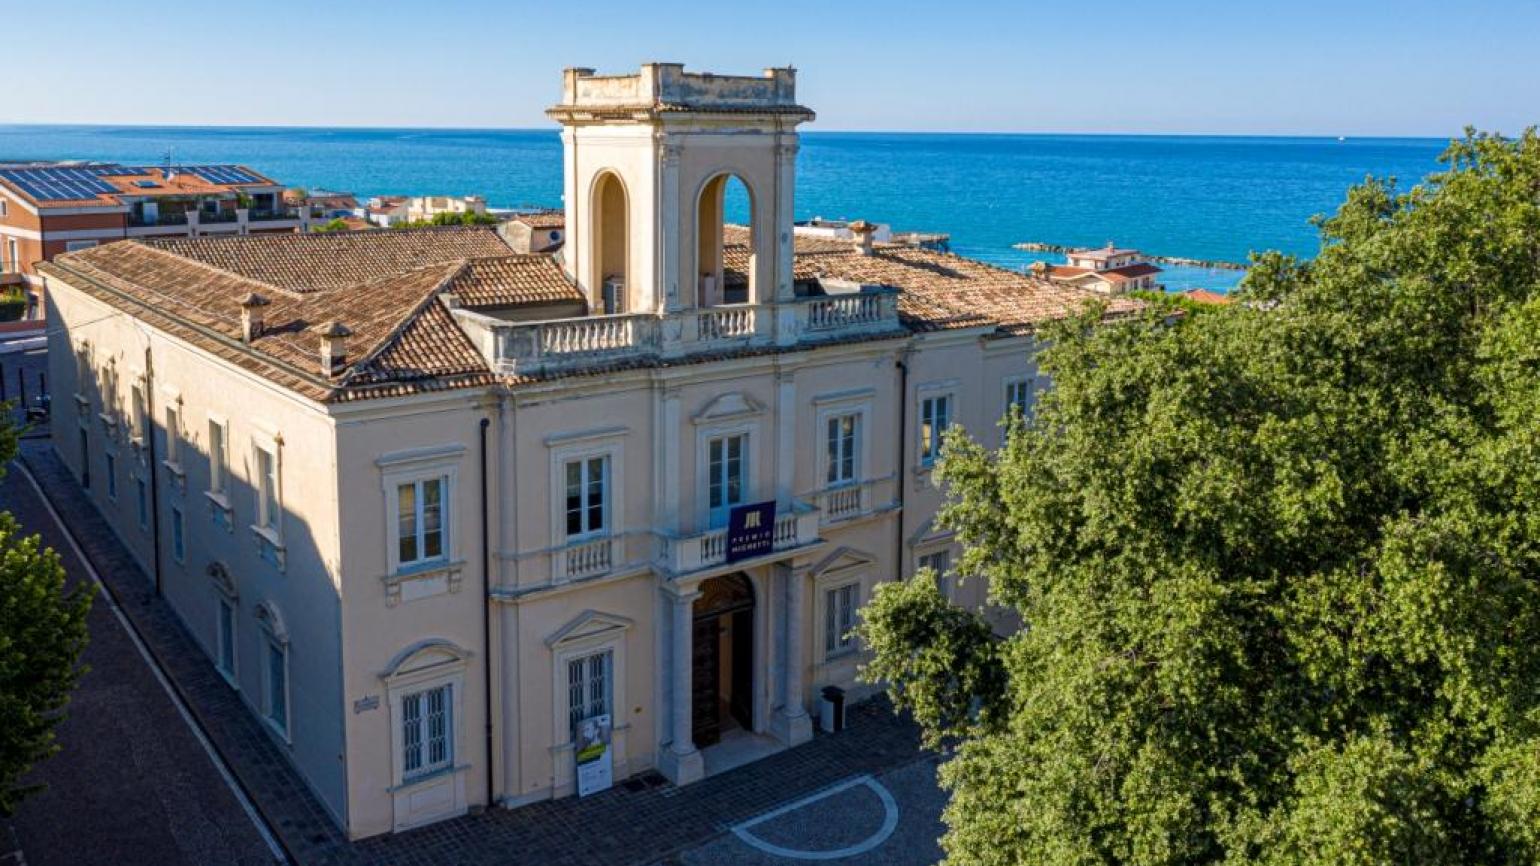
(536, 231)
(50, 208)
(1108, 270)
(426, 207)
(385, 210)
(324, 204)
(438, 509)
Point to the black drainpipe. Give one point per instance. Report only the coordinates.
(903, 454)
(486, 608)
(149, 444)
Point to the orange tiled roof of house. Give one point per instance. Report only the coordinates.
(940, 291)
(1205, 296)
(545, 219)
(390, 288)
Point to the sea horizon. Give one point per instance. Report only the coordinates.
(1214, 197)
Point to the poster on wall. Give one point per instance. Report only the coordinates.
(595, 764)
(750, 530)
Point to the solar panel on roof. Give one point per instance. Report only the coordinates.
(223, 174)
(57, 184)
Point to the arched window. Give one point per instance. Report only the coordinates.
(609, 279)
(724, 225)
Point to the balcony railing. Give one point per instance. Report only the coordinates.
(521, 348)
(853, 499)
(168, 218)
(691, 553)
(217, 216)
(584, 559)
(274, 213)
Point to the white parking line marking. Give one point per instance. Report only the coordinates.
(889, 823)
(160, 677)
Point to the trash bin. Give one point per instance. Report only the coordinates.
(831, 714)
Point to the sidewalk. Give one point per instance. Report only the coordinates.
(641, 820)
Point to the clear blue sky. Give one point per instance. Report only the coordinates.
(1411, 67)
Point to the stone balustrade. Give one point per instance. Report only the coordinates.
(690, 553)
(529, 348)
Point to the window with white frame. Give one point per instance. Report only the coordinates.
(178, 535)
(587, 495)
(935, 417)
(588, 687)
(226, 638)
(5, 207)
(842, 438)
(276, 691)
(725, 460)
(840, 605)
(421, 521)
(427, 740)
(219, 463)
(1018, 396)
(13, 257)
(268, 491)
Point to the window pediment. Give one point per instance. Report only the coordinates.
(424, 655)
(728, 407)
(587, 625)
(842, 559)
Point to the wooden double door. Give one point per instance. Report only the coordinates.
(722, 659)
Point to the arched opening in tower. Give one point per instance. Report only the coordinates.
(725, 260)
(610, 283)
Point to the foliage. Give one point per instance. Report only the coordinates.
(1280, 562)
(42, 633)
(1170, 302)
(336, 224)
(466, 218)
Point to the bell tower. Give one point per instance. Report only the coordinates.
(646, 161)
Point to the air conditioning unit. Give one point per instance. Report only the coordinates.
(613, 295)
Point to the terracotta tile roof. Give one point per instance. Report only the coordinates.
(333, 260)
(1205, 296)
(939, 291)
(545, 219)
(1106, 252)
(531, 278)
(201, 304)
(385, 286)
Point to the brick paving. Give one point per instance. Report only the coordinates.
(643, 820)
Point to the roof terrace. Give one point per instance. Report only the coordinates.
(667, 87)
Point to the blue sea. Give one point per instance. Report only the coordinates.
(1212, 198)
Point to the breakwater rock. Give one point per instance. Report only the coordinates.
(1038, 247)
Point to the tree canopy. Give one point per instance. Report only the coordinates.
(42, 633)
(1279, 563)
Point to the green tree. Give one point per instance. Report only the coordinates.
(447, 218)
(336, 224)
(1279, 562)
(42, 633)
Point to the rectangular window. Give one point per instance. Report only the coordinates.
(217, 459)
(724, 475)
(278, 686)
(1018, 397)
(140, 422)
(935, 417)
(227, 637)
(72, 246)
(85, 459)
(840, 449)
(587, 482)
(939, 562)
(112, 476)
(178, 535)
(267, 489)
(839, 618)
(13, 259)
(173, 436)
(142, 500)
(588, 687)
(420, 520)
(426, 744)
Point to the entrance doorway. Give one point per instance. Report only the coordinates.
(722, 676)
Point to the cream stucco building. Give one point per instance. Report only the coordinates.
(430, 503)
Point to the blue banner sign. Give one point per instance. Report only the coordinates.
(750, 530)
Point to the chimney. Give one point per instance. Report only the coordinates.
(251, 316)
(863, 232)
(334, 351)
